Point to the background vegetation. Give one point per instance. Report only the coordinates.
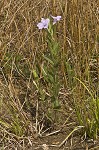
(26, 112)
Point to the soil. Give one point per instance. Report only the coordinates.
(57, 138)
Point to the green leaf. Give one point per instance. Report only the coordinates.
(48, 59)
(35, 74)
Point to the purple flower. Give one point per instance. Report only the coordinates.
(43, 24)
(56, 19)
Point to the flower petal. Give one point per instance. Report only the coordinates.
(43, 24)
(43, 20)
(40, 25)
(57, 18)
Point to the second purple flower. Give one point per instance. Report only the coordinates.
(57, 18)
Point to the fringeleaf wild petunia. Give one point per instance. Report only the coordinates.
(51, 67)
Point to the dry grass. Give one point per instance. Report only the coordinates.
(21, 45)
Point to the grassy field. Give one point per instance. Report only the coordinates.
(49, 78)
